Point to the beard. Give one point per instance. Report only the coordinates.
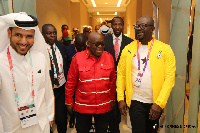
(140, 37)
(15, 45)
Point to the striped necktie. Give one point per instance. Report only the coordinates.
(56, 65)
(116, 48)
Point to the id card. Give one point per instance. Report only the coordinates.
(61, 79)
(28, 116)
(138, 80)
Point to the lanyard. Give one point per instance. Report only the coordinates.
(12, 72)
(138, 55)
(51, 57)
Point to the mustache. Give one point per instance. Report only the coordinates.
(23, 44)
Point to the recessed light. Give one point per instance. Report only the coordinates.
(106, 3)
(119, 3)
(101, 20)
(93, 3)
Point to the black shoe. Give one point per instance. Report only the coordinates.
(71, 124)
(72, 120)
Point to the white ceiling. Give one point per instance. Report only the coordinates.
(106, 11)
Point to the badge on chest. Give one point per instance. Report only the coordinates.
(28, 116)
(138, 80)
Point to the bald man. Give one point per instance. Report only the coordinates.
(92, 77)
(78, 46)
(147, 68)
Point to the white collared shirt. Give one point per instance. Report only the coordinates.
(119, 41)
(44, 98)
(59, 60)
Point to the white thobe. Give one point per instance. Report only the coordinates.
(44, 98)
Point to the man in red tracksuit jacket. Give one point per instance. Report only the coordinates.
(92, 77)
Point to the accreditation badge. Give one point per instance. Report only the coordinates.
(138, 80)
(61, 78)
(28, 116)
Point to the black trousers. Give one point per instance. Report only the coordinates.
(115, 119)
(60, 109)
(139, 115)
(84, 122)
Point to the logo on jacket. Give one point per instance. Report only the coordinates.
(159, 55)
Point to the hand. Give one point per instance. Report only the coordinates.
(112, 104)
(51, 124)
(155, 112)
(70, 108)
(122, 107)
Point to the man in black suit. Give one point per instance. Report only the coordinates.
(58, 74)
(115, 43)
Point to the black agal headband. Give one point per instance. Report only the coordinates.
(27, 23)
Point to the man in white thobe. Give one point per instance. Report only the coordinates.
(26, 96)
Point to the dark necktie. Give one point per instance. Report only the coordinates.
(56, 65)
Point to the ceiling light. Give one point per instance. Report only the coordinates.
(93, 3)
(106, 3)
(119, 3)
(97, 13)
(101, 20)
(115, 13)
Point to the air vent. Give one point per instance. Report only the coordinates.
(126, 1)
(85, 1)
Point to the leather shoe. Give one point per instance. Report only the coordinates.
(71, 122)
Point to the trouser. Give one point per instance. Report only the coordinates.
(139, 115)
(60, 109)
(84, 122)
(115, 119)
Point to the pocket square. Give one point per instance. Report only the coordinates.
(39, 71)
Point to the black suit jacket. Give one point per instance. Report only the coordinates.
(109, 46)
(62, 49)
(70, 52)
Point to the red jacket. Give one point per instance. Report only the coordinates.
(93, 81)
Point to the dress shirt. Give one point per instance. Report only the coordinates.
(44, 99)
(93, 82)
(119, 41)
(59, 60)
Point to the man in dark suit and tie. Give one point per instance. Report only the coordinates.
(115, 43)
(58, 74)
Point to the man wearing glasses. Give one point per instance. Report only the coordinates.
(86, 31)
(147, 69)
(92, 77)
(115, 43)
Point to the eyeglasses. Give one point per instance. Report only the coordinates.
(98, 43)
(142, 26)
